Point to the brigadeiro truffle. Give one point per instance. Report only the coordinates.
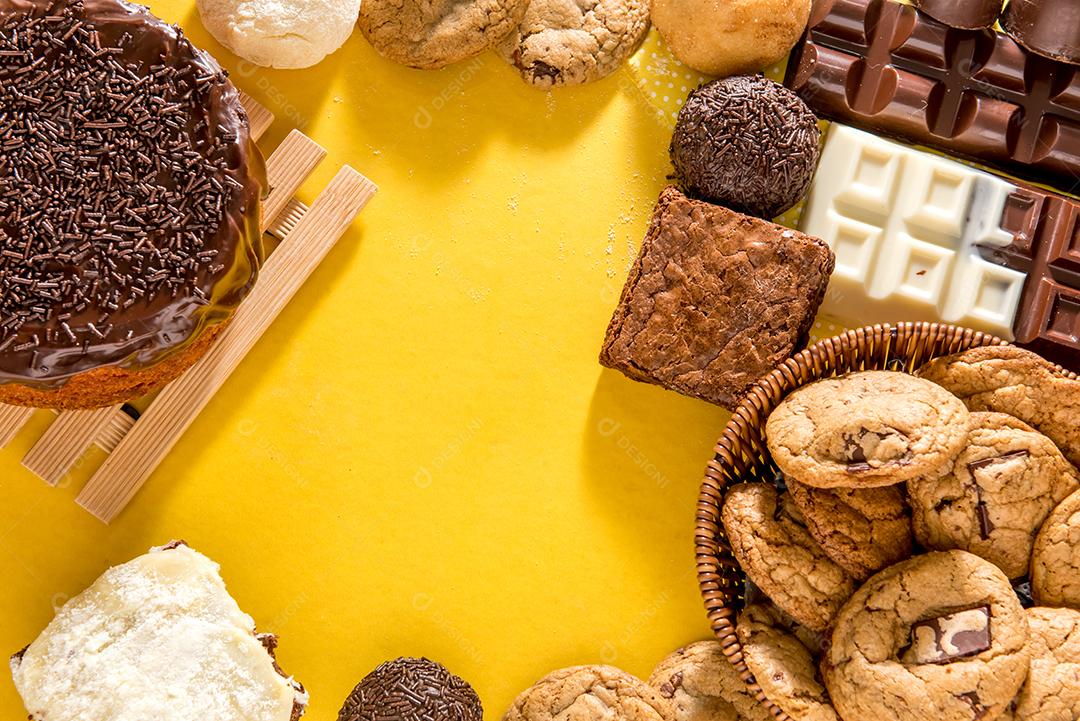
(412, 689)
(747, 143)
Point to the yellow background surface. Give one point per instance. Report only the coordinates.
(423, 456)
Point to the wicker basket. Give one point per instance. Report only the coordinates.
(742, 456)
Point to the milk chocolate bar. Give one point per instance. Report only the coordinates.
(921, 237)
(1046, 245)
(886, 67)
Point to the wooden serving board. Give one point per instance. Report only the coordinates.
(137, 443)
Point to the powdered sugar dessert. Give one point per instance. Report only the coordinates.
(156, 638)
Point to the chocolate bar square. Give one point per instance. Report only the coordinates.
(715, 300)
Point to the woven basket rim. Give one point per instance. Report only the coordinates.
(714, 570)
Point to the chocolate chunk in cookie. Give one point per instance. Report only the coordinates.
(1055, 558)
(715, 300)
(778, 554)
(782, 665)
(590, 693)
(869, 429)
(433, 34)
(1052, 690)
(886, 663)
(1018, 382)
(570, 42)
(944, 639)
(862, 529)
(703, 685)
(1000, 490)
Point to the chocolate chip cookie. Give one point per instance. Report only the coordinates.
(1000, 490)
(940, 636)
(570, 42)
(862, 430)
(779, 555)
(1018, 382)
(590, 693)
(1052, 690)
(1055, 558)
(782, 665)
(435, 33)
(702, 685)
(861, 529)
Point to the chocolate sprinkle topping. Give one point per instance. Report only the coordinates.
(412, 689)
(747, 143)
(119, 180)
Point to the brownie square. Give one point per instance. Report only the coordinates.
(715, 300)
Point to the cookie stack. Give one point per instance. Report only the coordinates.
(918, 555)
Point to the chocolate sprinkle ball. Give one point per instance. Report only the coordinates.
(129, 190)
(747, 143)
(412, 689)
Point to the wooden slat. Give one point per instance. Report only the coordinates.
(114, 432)
(259, 118)
(287, 169)
(12, 419)
(172, 412)
(289, 218)
(65, 441)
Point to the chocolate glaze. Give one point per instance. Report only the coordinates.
(966, 14)
(1046, 27)
(158, 324)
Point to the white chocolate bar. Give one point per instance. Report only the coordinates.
(905, 226)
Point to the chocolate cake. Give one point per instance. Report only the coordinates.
(130, 196)
(715, 300)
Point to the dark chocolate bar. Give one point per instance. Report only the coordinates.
(1046, 27)
(966, 14)
(886, 67)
